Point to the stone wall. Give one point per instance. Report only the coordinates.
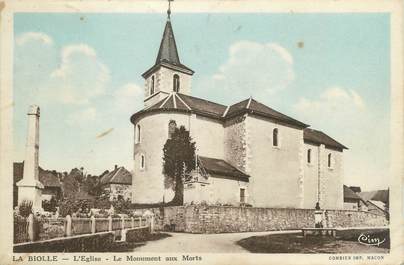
(235, 142)
(346, 218)
(221, 219)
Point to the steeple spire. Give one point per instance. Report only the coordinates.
(168, 54)
(169, 9)
(168, 49)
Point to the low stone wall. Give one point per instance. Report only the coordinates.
(349, 218)
(81, 243)
(138, 234)
(221, 219)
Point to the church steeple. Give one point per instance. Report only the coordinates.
(168, 49)
(168, 74)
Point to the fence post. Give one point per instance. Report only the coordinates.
(140, 221)
(30, 221)
(122, 223)
(152, 224)
(132, 221)
(92, 224)
(110, 223)
(68, 231)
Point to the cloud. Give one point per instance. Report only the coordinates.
(80, 77)
(82, 117)
(128, 98)
(334, 100)
(27, 37)
(255, 67)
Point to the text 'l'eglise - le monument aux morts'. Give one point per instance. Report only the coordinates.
(247, 153)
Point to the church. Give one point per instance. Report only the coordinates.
(248, 153)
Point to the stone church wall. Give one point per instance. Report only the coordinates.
(208, 135)
(235, 145)
(332, 177)
(148, 183)
(221, 219)
(310, 176)
(275, 170)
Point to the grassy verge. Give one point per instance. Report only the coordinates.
(296, 243)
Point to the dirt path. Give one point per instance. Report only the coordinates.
(202, 243)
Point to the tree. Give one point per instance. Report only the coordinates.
(178, 160)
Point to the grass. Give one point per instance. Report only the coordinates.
(296, 243)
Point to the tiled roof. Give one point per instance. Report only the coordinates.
(377, 195)
(318, 137)
(349, 194)
(185, 103)
(220, 168)
(46, 177)
(120, 175)
(254, 107)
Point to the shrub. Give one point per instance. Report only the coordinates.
(25, 208)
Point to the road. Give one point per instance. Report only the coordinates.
(202, 243)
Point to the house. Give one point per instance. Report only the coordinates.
(353, 201)
(49, 179)
(248, 153)
(378, 200)
(118, 183)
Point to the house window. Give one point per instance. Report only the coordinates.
(275, 140)
(176, 83)
(329, 161)
(152, 86)
(137, 133)
(171, 128)
(242, 195)
(142, 161)
(309, 156)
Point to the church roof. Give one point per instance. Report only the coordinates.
(318, 137)
(119, 175)
(254, 107)
(221, 169)
(168, 54)
(185, 103)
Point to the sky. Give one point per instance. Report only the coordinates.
(331, 71)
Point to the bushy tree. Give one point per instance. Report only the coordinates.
(178, 159)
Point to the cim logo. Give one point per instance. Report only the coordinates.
(370, 240)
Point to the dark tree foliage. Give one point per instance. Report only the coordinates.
(178, 160)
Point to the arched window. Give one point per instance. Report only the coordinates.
(309, 156)
(171, 128)
(138, 132)
(329, 160)
(142, 161)
(275, 139)
(176, 83)
(152, 85)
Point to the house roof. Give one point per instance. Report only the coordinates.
(168, 53)
(318, 137)
(377, 195)
(48, 178)
(119, 175)
(349, 194)
(219, 168)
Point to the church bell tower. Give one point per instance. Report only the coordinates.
(168, 75)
